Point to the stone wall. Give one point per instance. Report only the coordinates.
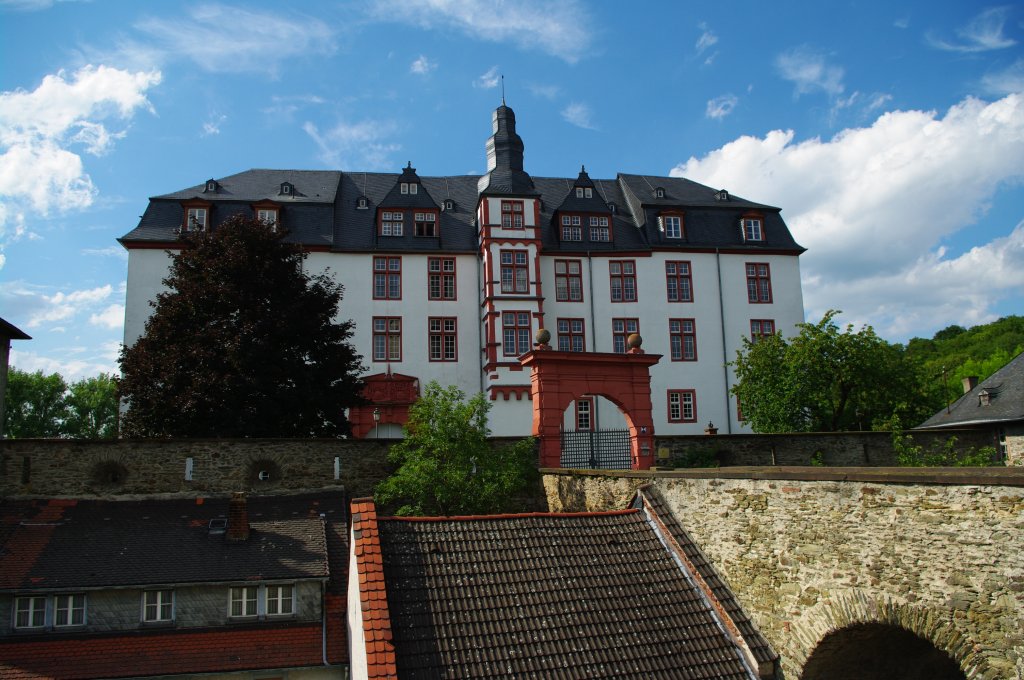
(937, 552)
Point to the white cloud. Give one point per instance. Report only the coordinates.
(259, 41)
(212, 124)
(1009, 80)
(706, 41)
(111, 317)
(579, 115)
(360, 144)
(488, 80)
(558, 27)
(72, 370)
(111, 251)
(981, 34)
(873, 206)
(422, 66)
(720, 107)
(545, 91)
(809, 71)
(61, 306)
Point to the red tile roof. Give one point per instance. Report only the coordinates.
(380, 651)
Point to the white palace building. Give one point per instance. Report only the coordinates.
(450, 278)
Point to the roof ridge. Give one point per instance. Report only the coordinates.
(515, 515)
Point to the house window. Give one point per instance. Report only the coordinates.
(621, 330)
(584, 192)
(571, 232)
(426, 224)
(659, 193)
(682, 335)
(286, 188)
(568, 281)
(267, 216)
(623, 280)
(678, 282)
(157, 606)
(585, 414)
(570, 335)
(69, 610)
(392, 223)
(760, 328)
(442, 338)
(682, 406)
(515, 276)
(516, 333)
(387, 338)
(280, 600)
(759, 282)
(752, 229)
(673, 226)
(387, 278)
(243, 601)
(30, 612)
(195, 219)
(512, 214)
(408, 187)
(441, 278)
(599, 230)
(362, 203)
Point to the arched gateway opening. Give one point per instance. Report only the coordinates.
(557, 379)
(877, 651)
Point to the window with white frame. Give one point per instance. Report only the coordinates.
(512, 214)
(584, 192)
(157, 606)
(195, 219)
(585, 413)
(280, 600)
(682, 406)
(570, 231)
(441, 278)
(243, 601)
(682, 334)
(759, 282)
(752, 229)
(267, 216)
(568, 281)
(761, 328)
(392, 223)
(30, 612)
(515, 328)
(426, 224)
(515, 276)
(622, 278)
(599, 230)
(621, 330)
(443, 338)
(408, 187)
(570, 335)
(387, 338)
(678, 281)
(387, 278)
(69, 610)
(673, 226)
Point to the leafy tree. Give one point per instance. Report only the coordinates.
(36, 404)
(825, 380)
(940, 454)
(447, 466)
(92, 408)
(244, 344)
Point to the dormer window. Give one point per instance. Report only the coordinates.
(512, 214)
(392, 223)
(722, 195)
(362, 203)
(287, 188)
(448, 205)
(584, 192)
(752, 228)
(671, 225)
(409, 188)
(659, 193)
(267, 216)
(195, 219)
(599, 230)
(211, 186)
(426, 224)
(571, 228)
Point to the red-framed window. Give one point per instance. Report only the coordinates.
(672, 225)
(572, 228)
(441, 278)
(387, 278)
(759, 282)
(753, 228)
(622, 278)
(442, 341)
(387, 338)
(568, 281)
(679, 281)
(196, 215)
(515, 273)
(682, 406)
(682, 337)
(600, 229)
(425, 224)
(759, 328)
(571, 336)
(585, 414)
(512, 214)
(515, 331)
(621, 330)
(392, 223)
(739, 410)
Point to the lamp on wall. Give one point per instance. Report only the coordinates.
(376, 422)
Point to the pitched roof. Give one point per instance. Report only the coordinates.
(373, 602)
(998, 398)
(12, 332)
(57, 544)
(561, 595)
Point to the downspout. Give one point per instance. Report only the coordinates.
(725, 357)
(596, 424)
(323, 620)
(480, 320)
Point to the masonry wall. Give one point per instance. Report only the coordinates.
(939, 554)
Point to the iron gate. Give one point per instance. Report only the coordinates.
(597, 449)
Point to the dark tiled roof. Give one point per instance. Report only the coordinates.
(12, 332)
(1005, 400)
(49, 544)
(562, 596)
(625, 235)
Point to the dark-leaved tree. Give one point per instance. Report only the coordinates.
(243, 344)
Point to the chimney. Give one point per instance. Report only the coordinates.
(238, 517)
(970, 382)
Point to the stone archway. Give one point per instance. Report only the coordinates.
(558, 378)
(878, 651)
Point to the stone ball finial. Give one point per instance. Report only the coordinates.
(542, 336)
(634, 341)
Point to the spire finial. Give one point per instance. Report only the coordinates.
(409, 165)
(502, 89)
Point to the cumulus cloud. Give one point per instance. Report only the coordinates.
(361, 144)
(62, 306)
(981, 34)
(422, 66)
(488, 80)
(111, 317)
(874, 206)
(557, 27)
(72, 369)
(809, 71)
(579, 115)
(720, 107)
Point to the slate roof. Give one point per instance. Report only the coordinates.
(593, 595)
(12, 332)
(1004, 390)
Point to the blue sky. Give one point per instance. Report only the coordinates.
(891, 134)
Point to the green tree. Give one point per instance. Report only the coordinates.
(36, 404)
(447, 466)
(243, 344)
(92, 408)
(825, 380)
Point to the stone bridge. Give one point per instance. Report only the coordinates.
(853, 572)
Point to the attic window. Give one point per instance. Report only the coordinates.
(409, 188)
(722, 195)
(211, 186)
(267, 216)
(195, 219)
(659, 193)
(612, 207)
(362, 203)
(287, 188)
(751, 227)
(584, 192)
(985, 398)
(449, 205)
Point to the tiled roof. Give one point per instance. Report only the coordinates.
(163, 652)
(51, 544)
(373, 601)
(1003, 401)
(593, 595)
